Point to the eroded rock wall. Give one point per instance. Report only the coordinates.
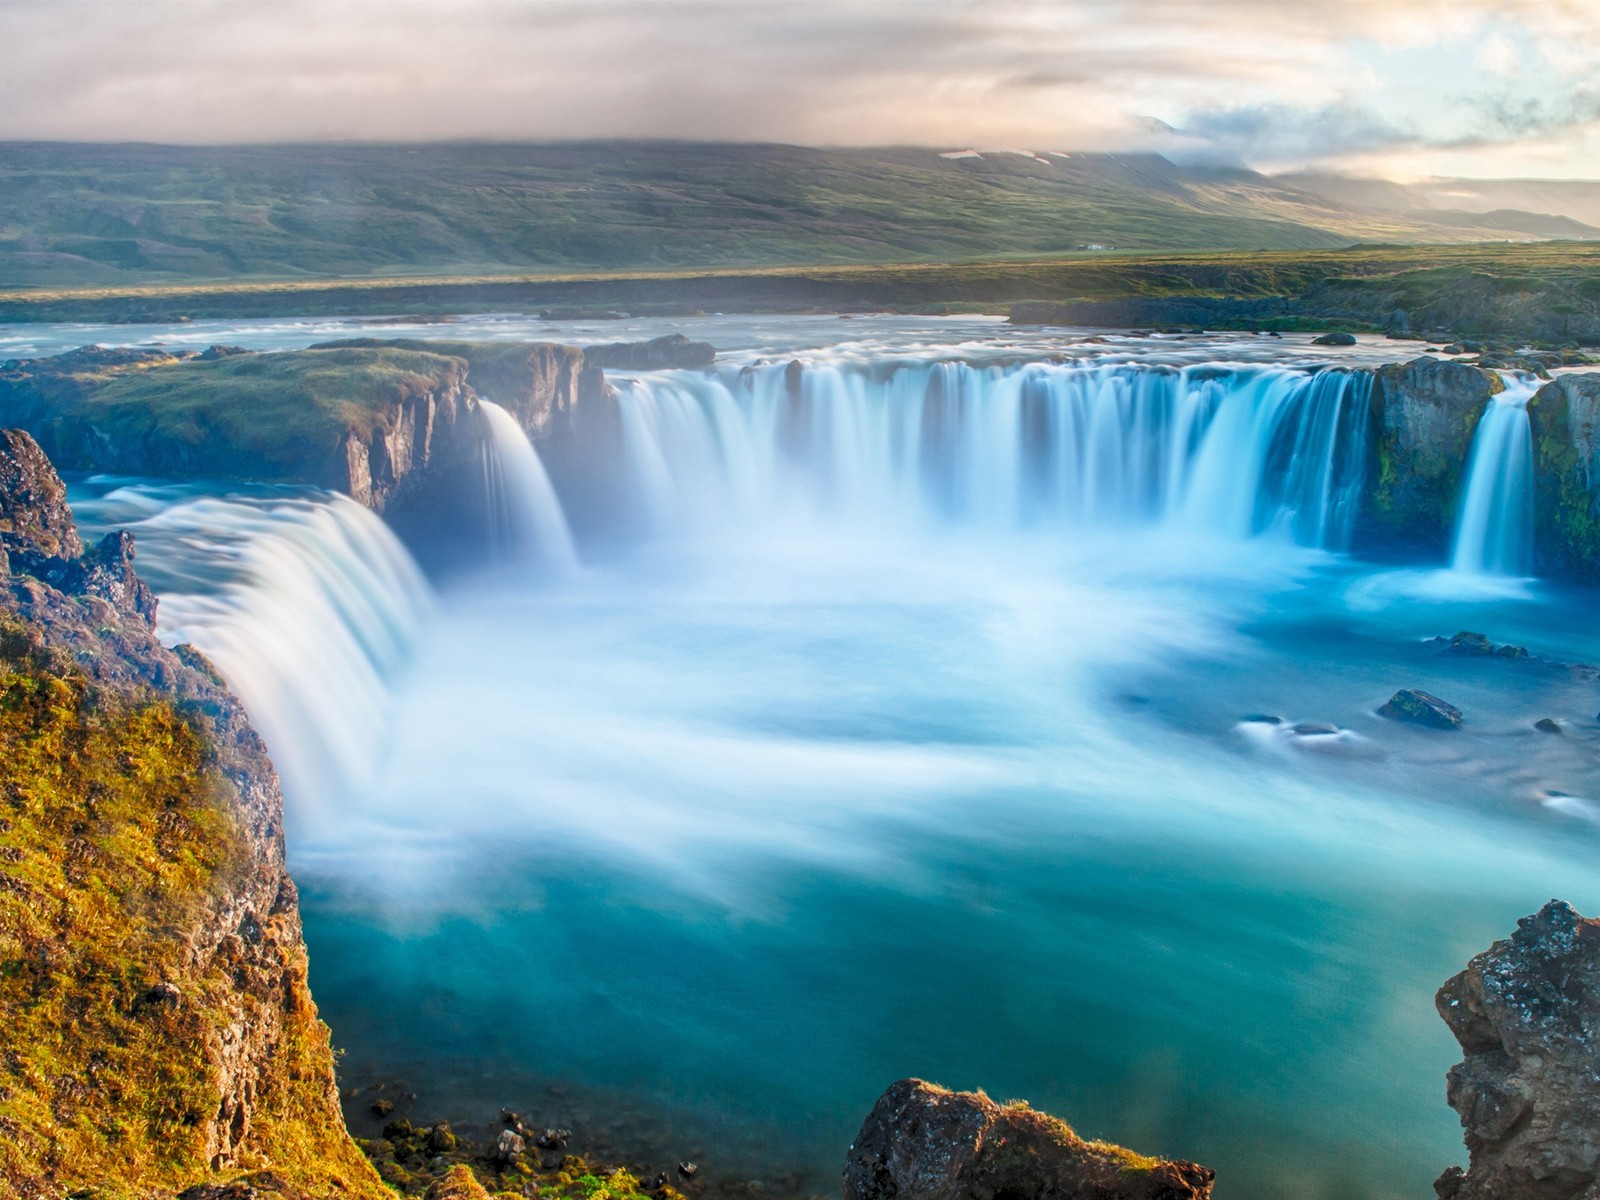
(1527, 1015)
(157, 1030)
(1566, 446)
(1423, 416)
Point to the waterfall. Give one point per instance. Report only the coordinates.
(1220, 449)
(307, 604)
(526, 524)
(1494, 532)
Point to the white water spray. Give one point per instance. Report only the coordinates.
(1494, 534)
(526, 524)
(308, 605)
(1228, 450)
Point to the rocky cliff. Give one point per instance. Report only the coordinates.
(1527, 1014)
(1423, 416)
(156, 1031)
(1566, 446)
(393, 424)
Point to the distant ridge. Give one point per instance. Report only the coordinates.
(85, 214)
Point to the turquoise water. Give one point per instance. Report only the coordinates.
(858, 762)
(707, 856)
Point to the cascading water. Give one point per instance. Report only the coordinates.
(739, 840)
(526, 525)
(307, 604)
(1227, 450)
(1494, 533)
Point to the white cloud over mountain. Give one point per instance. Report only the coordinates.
(1464, 86)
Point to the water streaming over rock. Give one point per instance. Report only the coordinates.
(526, 525)
(306, 603)
(1235, 450)
(1494, 533)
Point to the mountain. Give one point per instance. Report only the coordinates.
(82, 214)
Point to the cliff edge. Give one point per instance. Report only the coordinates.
(1527, 1014)
(156, 1031)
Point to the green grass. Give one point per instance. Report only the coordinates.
(272, 417)
(85, 214)
(1546, 291)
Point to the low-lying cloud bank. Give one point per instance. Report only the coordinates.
(1474, 87)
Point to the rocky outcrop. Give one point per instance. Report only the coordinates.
(1527, 1015)
(1424, 414)
(156, 984)
(922, 1142)
(33, 503)
(1566, 440)
(672, 351)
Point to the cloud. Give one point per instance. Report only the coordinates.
(1282, 134)
(1244, 77)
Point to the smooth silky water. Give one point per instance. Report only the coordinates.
(902, 730)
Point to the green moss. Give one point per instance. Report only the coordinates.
(116, 829)
(275, 416)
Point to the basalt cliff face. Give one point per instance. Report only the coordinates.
(1566, 448)
(1527, 1014)
(1423, 416)
(395, 425)
(156, 1031)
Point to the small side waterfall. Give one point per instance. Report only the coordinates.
(308, 605)
(1217, 449)
(526, 525)
(1494, 534)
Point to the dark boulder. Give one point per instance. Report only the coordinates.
(1335, 339)
(921, 1142)
(1421, 708)
(1527, 1015)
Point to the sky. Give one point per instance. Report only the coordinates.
(1404, 90)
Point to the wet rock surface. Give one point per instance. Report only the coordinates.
(1527, 1015)
(1424, 414)
(1565, 416)
(922, 1142)
(1416, 707)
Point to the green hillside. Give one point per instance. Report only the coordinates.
(120, 214)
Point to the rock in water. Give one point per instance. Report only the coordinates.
(1527, 1015)
(1421, 708)
(1335, 339)
(921, 1142)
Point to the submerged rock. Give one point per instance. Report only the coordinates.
(1548, 725)
(1315, 729)
(1527, 1015)
(1478, 645)
(1421, 708)
(922, 1142)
